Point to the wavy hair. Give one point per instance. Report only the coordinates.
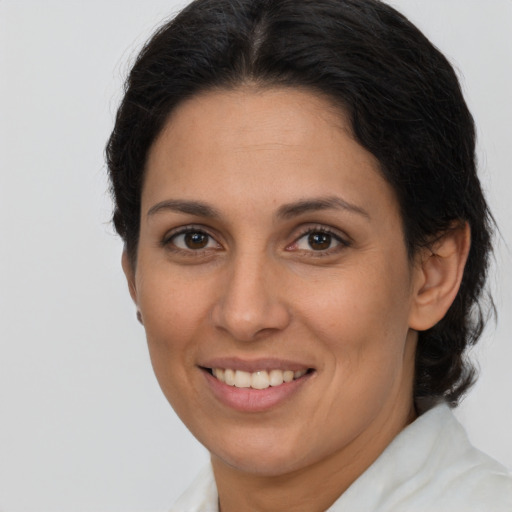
(403, 100)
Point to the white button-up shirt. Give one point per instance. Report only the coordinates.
(429, 467)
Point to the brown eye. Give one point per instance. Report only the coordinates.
(196, 240)
(319, 241)
(192, 240)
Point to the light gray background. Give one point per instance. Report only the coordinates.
(83, 424)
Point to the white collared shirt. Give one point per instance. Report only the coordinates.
(429, 467)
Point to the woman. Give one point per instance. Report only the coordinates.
(306, 242)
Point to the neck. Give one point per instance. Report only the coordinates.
(316, 487)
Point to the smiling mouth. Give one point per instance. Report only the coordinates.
(256, 380)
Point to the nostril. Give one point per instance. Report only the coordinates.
(252, 325)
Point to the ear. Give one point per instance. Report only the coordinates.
(129, 272)
(438, 276)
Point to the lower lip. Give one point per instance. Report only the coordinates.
(254, 400)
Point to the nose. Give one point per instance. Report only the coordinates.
(252, 302)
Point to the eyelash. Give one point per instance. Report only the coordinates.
(342, 242)
(168, 243)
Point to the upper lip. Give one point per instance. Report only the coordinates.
(253, 365)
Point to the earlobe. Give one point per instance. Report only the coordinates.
(129, 272)
(439, 272)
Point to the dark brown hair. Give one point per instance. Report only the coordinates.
(405, 106)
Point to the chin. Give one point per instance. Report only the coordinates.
(264, 465)
(267, 458)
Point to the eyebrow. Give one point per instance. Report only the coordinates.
(297, 208)
(196, 208)
(286, 211)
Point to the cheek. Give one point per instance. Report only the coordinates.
(362, 322)
(171, 304)
(172, 309)
(358, 303)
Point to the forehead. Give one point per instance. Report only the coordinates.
(284, 144)
(252, 111)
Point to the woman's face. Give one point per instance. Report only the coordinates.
(272, 249)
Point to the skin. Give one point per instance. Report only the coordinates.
(259, 289)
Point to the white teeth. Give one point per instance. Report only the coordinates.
(242, 379)
(276, 377)
(219, 373)
(256, 380)
(260, 380)
(288, 376)
(229, 377)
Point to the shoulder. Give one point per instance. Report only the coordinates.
(431, 467)
(473, 482)
(454, 476)
(478, 488)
